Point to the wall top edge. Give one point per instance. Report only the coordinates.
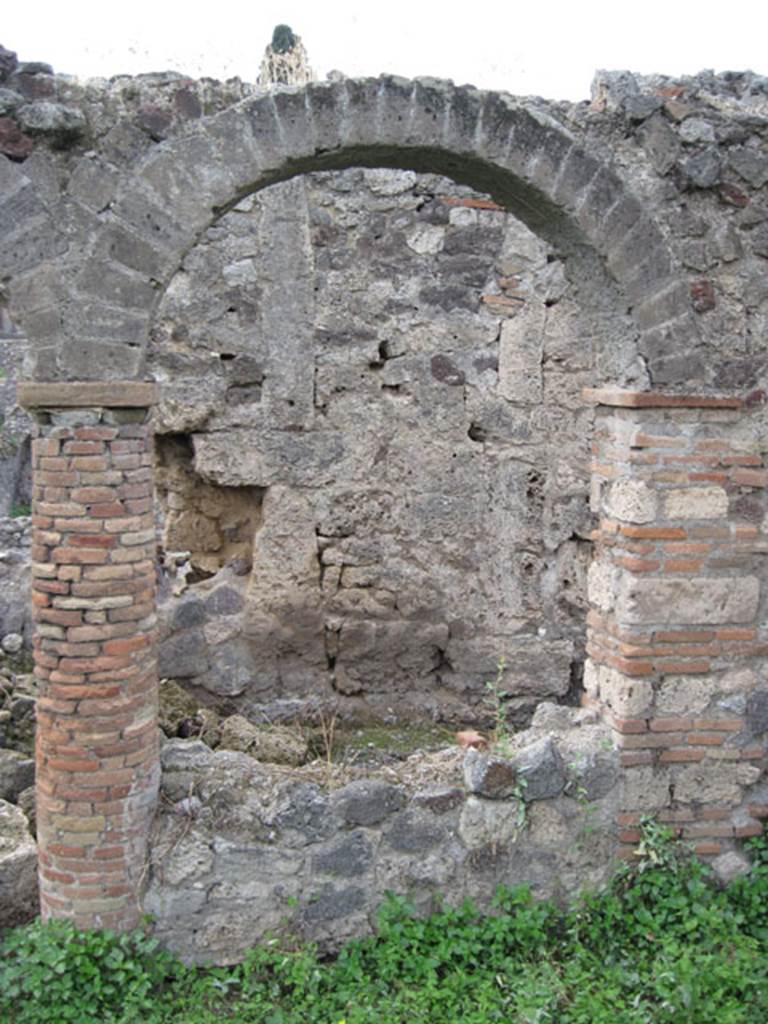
(86, 394)
(652, 399)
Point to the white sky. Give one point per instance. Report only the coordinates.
(550, 49)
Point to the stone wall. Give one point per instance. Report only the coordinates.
(242, 849)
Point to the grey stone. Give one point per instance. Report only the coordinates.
(330, 904)
(704, 169)
(9, 100)
(55, 119)
(233, 668)
(349, 857)
(490, 776)
(17, 773)
(183, 655)
(640, 107)
(18, 868)
(696, 129)
(189, 612)
(729, 866)
(438, 799)
(307, 814)
(367, 802)
(412, 832)
(756, 715)
(12, 643)
(540, 769)
(27, 801)
(224, 601)
(750, 163)
(592, 776)
(185, 755)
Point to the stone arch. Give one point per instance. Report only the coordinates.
(529, 162)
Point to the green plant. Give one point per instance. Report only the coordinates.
(19, 510)
(660, 944)
(56, 973)
(657, 846)
(575, 787)
(497, 701)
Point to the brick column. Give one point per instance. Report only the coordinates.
(93, 596)
(676, 639)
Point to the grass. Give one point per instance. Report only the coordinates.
(660, 944)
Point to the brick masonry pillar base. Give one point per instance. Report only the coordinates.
(677, 636)
(93, 596)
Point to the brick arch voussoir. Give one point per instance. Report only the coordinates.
(511, 148)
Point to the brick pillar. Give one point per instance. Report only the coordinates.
(93, 596)
(676, 639)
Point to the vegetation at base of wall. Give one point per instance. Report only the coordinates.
(660, 944)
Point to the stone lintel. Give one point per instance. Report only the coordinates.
(654, 400)
(107, 394)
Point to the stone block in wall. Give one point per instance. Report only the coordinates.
(696, 601)
(696, 503)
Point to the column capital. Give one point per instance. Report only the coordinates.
(107, 394)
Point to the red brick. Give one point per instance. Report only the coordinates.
(681, 755)
(632, 758)
(96, 433)
(682, 565)
(78, 525)
(746, 831)
(652, 740)
(89, 495)
(50, 586)
(682, 667)
(637, 564)
(707, 739)
(83, 447)
(135, 490)
(71, 852)
(44, 447)
(108, 510)
(706, 849)
(713, 812)
(132, 613)
(88, 690)
(719, 724)
(139, 505)
(679, 636)
(98, 664)
(75, 765)
(93, 540)
(671, 724)
(90, 463)
(705, 830)
(735, 634)
(59, 617)
(126, 645)
(654, 532)
(79, 556)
